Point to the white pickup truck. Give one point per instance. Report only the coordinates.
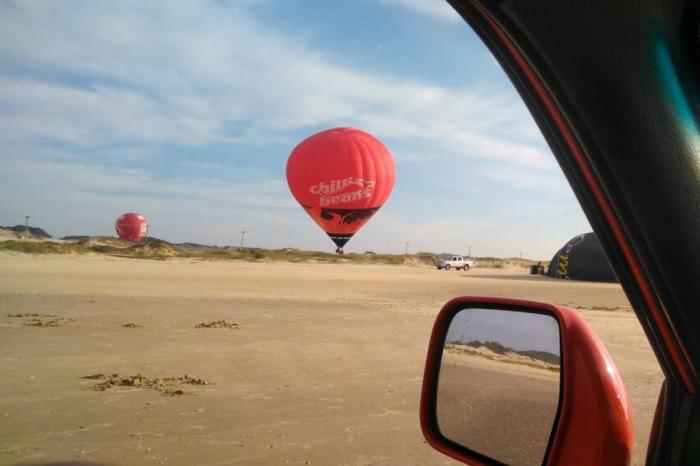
(453, 261)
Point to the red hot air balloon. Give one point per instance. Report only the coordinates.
(131, 227)
(341, 177)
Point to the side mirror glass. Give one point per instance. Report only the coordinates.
(498, 387)
(523, 383)
(498, 383)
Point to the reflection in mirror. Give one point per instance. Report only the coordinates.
(498, 389)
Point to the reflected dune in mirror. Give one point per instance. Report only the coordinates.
(498, 390)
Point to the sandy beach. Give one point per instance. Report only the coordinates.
(248, 363)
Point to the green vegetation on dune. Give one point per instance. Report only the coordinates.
(295, 255)
(41, 247)
(153, 248)
(499, 353)
(502, 263)
(157, 249)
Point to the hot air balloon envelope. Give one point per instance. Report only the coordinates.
(131, 227)
(341, 177)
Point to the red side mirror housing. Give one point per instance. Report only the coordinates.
(593, 422)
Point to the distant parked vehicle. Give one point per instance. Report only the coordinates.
(452, 261)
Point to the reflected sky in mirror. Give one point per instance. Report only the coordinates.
(517, 330)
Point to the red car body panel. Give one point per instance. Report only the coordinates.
(594, 423)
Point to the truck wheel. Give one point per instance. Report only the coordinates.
(447, 267)
(466, 267)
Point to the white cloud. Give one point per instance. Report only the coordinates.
(46, 111)
(437, 9)
(139, 73)
(89, 180)
(544, 182)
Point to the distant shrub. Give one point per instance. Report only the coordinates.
(104, 249)
(40, 247)
(257, 253)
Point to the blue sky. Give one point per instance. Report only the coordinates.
(187, 111)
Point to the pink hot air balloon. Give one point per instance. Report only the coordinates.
(341, 177)
(131, 227)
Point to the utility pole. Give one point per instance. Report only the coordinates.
(405, 252)
(470, 250)
(243, 232)
(521, 254)
(26, 227)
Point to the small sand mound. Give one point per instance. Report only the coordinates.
(217, 324)
(165, 385)
(32, 319)
(154, 247)
(46, 321)
(132, 325)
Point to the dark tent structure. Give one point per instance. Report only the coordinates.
(582, 258)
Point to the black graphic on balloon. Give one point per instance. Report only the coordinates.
(348, 216)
